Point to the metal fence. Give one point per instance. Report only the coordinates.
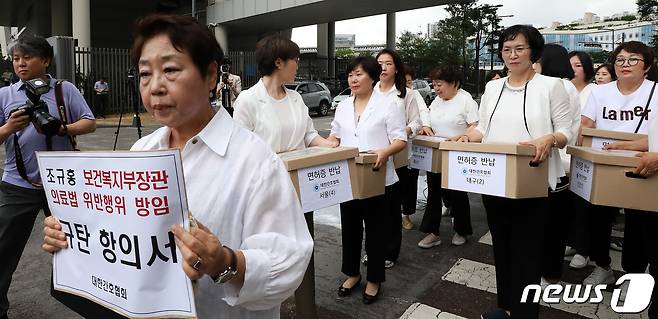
(113, 64)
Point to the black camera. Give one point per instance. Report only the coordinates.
(37, 109)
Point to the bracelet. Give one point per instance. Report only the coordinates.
(554, 140)
(466, 136)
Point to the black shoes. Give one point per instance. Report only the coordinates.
(495, 314)
(344, 292)
(368, 299)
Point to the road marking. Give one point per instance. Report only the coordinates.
(482, 276)
(422, 311)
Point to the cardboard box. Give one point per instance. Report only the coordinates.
(605, 178)
(425, 153)
(322, 177)
(494, 169)
(368, 182)
(401, 159)
(596, 138)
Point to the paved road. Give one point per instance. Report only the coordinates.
(442, 282)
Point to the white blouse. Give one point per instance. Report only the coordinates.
(547, 110)
(452, 117)
(239, 189)
(408, 104)
(381, 122)
(583, 95)
(422, 109)
(283, 124)
(574, 102)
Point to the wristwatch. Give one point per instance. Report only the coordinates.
(230, 272)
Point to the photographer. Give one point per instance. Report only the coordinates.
(21, 196)
(233, 82)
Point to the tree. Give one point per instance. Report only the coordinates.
(600, 56)
(345, 53)
(647, 9)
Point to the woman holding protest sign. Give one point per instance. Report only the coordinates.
(245, 260)
(374, 124)
(279, 116)
(533, 110)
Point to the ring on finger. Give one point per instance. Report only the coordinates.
(197, 264)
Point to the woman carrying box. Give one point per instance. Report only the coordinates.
(392, 85)
(279, 116)
(451, 115)
(642, 225)
(533, 110)
(554, 62)
(374, 124)
(625, 105)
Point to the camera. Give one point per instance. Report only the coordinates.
(37, 109)
(224, 69)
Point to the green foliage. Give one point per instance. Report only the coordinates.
(346, 53)
(600, 56)
(449, 46)
(647, 9)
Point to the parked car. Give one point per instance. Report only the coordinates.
(340, 96)
(425, 90)
(316, 95)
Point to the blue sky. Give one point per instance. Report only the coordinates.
(524, 11)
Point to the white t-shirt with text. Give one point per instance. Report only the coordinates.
(612, 111)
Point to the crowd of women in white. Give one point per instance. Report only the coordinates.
(265, 233)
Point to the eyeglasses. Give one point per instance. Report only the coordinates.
(519, 50)
(631, 61)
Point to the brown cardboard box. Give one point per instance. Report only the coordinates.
(418, 161)
(477, 173)
(315, 156)
(368, 182)
(605, 178)
(601, 137)
(401, 159)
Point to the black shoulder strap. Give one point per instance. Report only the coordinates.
(20, 164)
(645, 113)
(61, 108)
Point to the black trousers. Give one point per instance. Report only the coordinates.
(560, 209)
(461, 208)
(600, 229)
(392, 222)
(410, 190)
(101, 104)
(641, 248)
(305, 294)
(353, 216)
(19, 208)
(516, 227)
(578, 235)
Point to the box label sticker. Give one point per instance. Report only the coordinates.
(324, 185)
(599, 142)
(581, 177)
(482, 173)
(421, 158)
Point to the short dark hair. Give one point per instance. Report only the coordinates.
(586, 61)
(271, 48)
(368, 64)
(400, 81)
(33, 45)
(610, 68)
(448, 74)
(185, 34)
(532, 35)
(636, 47)
(491, 74)
(555, 62)
(409, 71)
